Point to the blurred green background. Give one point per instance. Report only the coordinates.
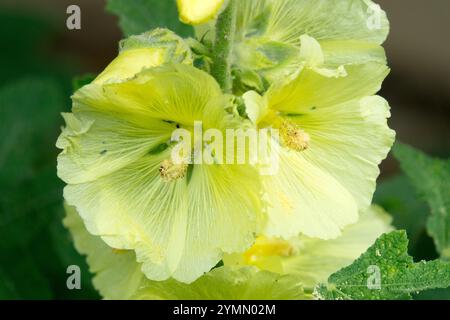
(40, 57)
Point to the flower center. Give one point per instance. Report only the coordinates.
(268, 247)
(170, 172)
(293, 136)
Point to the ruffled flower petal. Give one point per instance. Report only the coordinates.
(349, 141)
(117, 275)
(311, 90)
(301, 197)
(149, 49)
(97, 144)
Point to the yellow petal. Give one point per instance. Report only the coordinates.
(348, 142)
(324, 19)
(104, 144)
(310, 89)
(129, 63)
(341, 52)
(149, 49)
(177, 93)
(198, 11)
(117, 275)
(311, 52)
(255, 106)
(303, 198)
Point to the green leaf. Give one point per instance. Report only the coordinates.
(22, 51)
(436, 294)
(396, 271)
(29, 112)
(54, 253)
(29, 118)
(139, 16)
(431, 178)
(19, 277)
(398, 197)
(35, 248)
(19, 55)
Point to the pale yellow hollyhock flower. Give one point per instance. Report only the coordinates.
(333, 135)
(198, 11)
(314, 260)
(117, 146)
(117, 275)
(268, 33)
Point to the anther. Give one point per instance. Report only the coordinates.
(170, 171)
(293, 136)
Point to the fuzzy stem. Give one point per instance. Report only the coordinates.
(223, 47)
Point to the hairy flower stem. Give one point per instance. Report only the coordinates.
(223, 47)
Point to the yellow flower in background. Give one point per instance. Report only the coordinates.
(116, 161)
(313, 260)
(198, 11)
(268, 33)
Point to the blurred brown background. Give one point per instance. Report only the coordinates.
(418, 50)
